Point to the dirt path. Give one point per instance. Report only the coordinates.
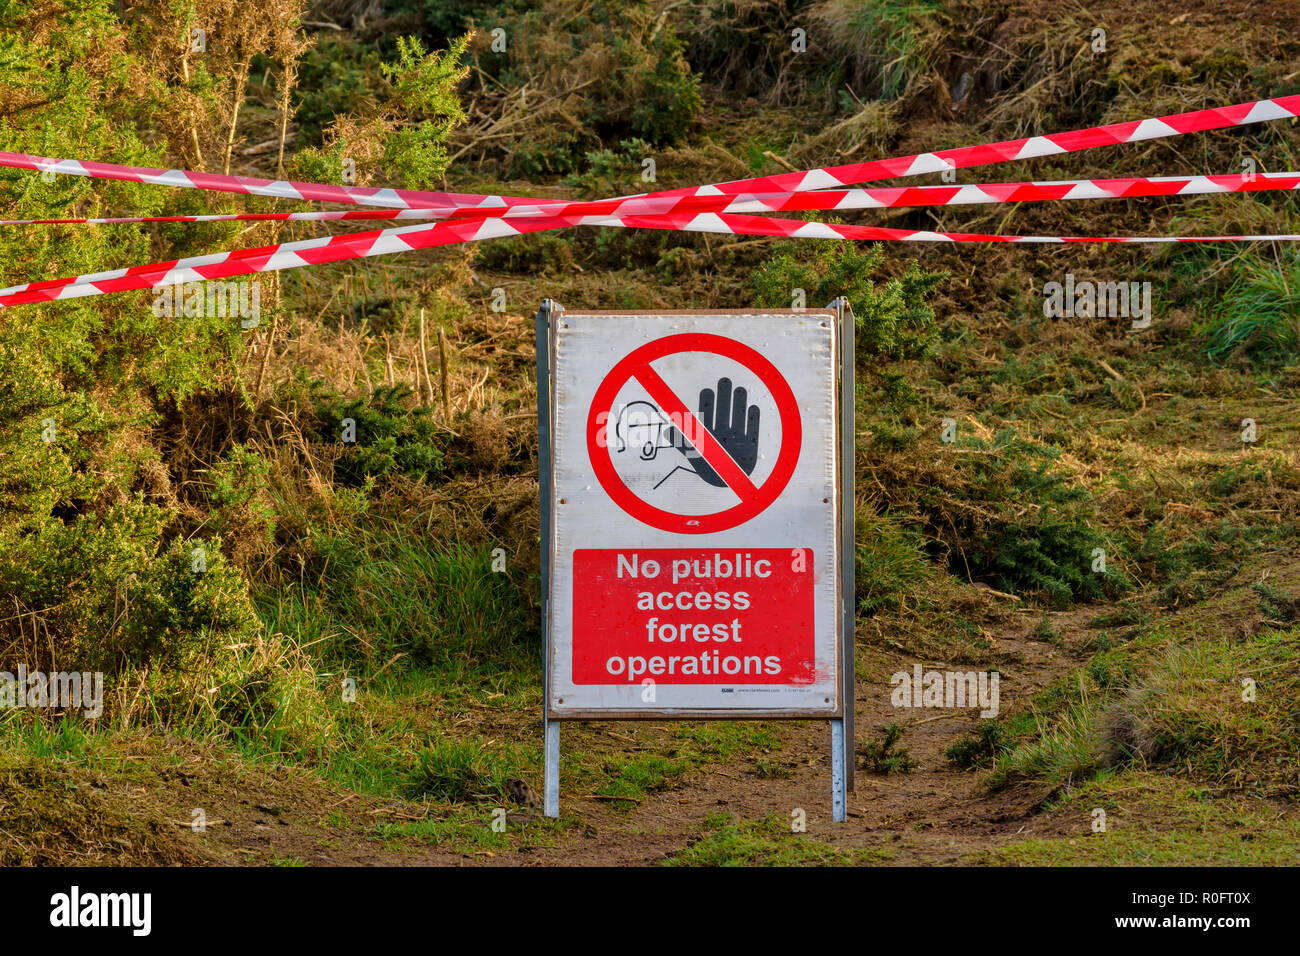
(933, 814)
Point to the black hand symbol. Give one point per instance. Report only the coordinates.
(732, 422)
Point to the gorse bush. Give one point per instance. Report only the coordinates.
(382, 437)
(610, 172)
(894, 319)
(239, 496)
(594, 74)
(335, 77)
(998, 508)
(1276, 603)
(422, 111)
(133, 496)
(1041, 540)
(979, 749)
(85, 557)
(885, 756)
(107, 594)
(402, 133)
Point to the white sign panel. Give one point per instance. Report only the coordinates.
(694, 515)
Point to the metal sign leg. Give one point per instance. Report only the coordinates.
(839, 797)
(848, 531)
(552, 788)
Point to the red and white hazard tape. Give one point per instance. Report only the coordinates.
(720, 208)
(838, 200)
(360, 245)
(1177, 124)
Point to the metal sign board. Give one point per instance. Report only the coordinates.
(693, 526)
(694, 546)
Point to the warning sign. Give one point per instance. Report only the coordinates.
(716, 444)
(694, 566)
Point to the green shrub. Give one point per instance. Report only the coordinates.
(389, 438)
(108, 593)
(979, 749)
(401, 135)
(597, 73)
(894, 320)
(334, 79)
(1041, 539)
(1043, 631)
(422, 110)
(536, 253)
(611, 172)
(239, 496)
(669, 97)
(1276, 603)
(88, 547)
(882, 757)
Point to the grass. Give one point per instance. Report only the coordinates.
(631, 778)
(767, 842)
(890, 563)
(454, 770)
(388, 592)
(25, 734)
(471, 831)
(662, 758)
(1153, 820)
(1173, 698)
(721, 739)
(892, 31)
(1260, 315)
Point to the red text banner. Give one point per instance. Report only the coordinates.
(726, 616)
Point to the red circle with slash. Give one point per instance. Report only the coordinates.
(754, 499)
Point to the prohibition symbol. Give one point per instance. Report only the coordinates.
(721, 449)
